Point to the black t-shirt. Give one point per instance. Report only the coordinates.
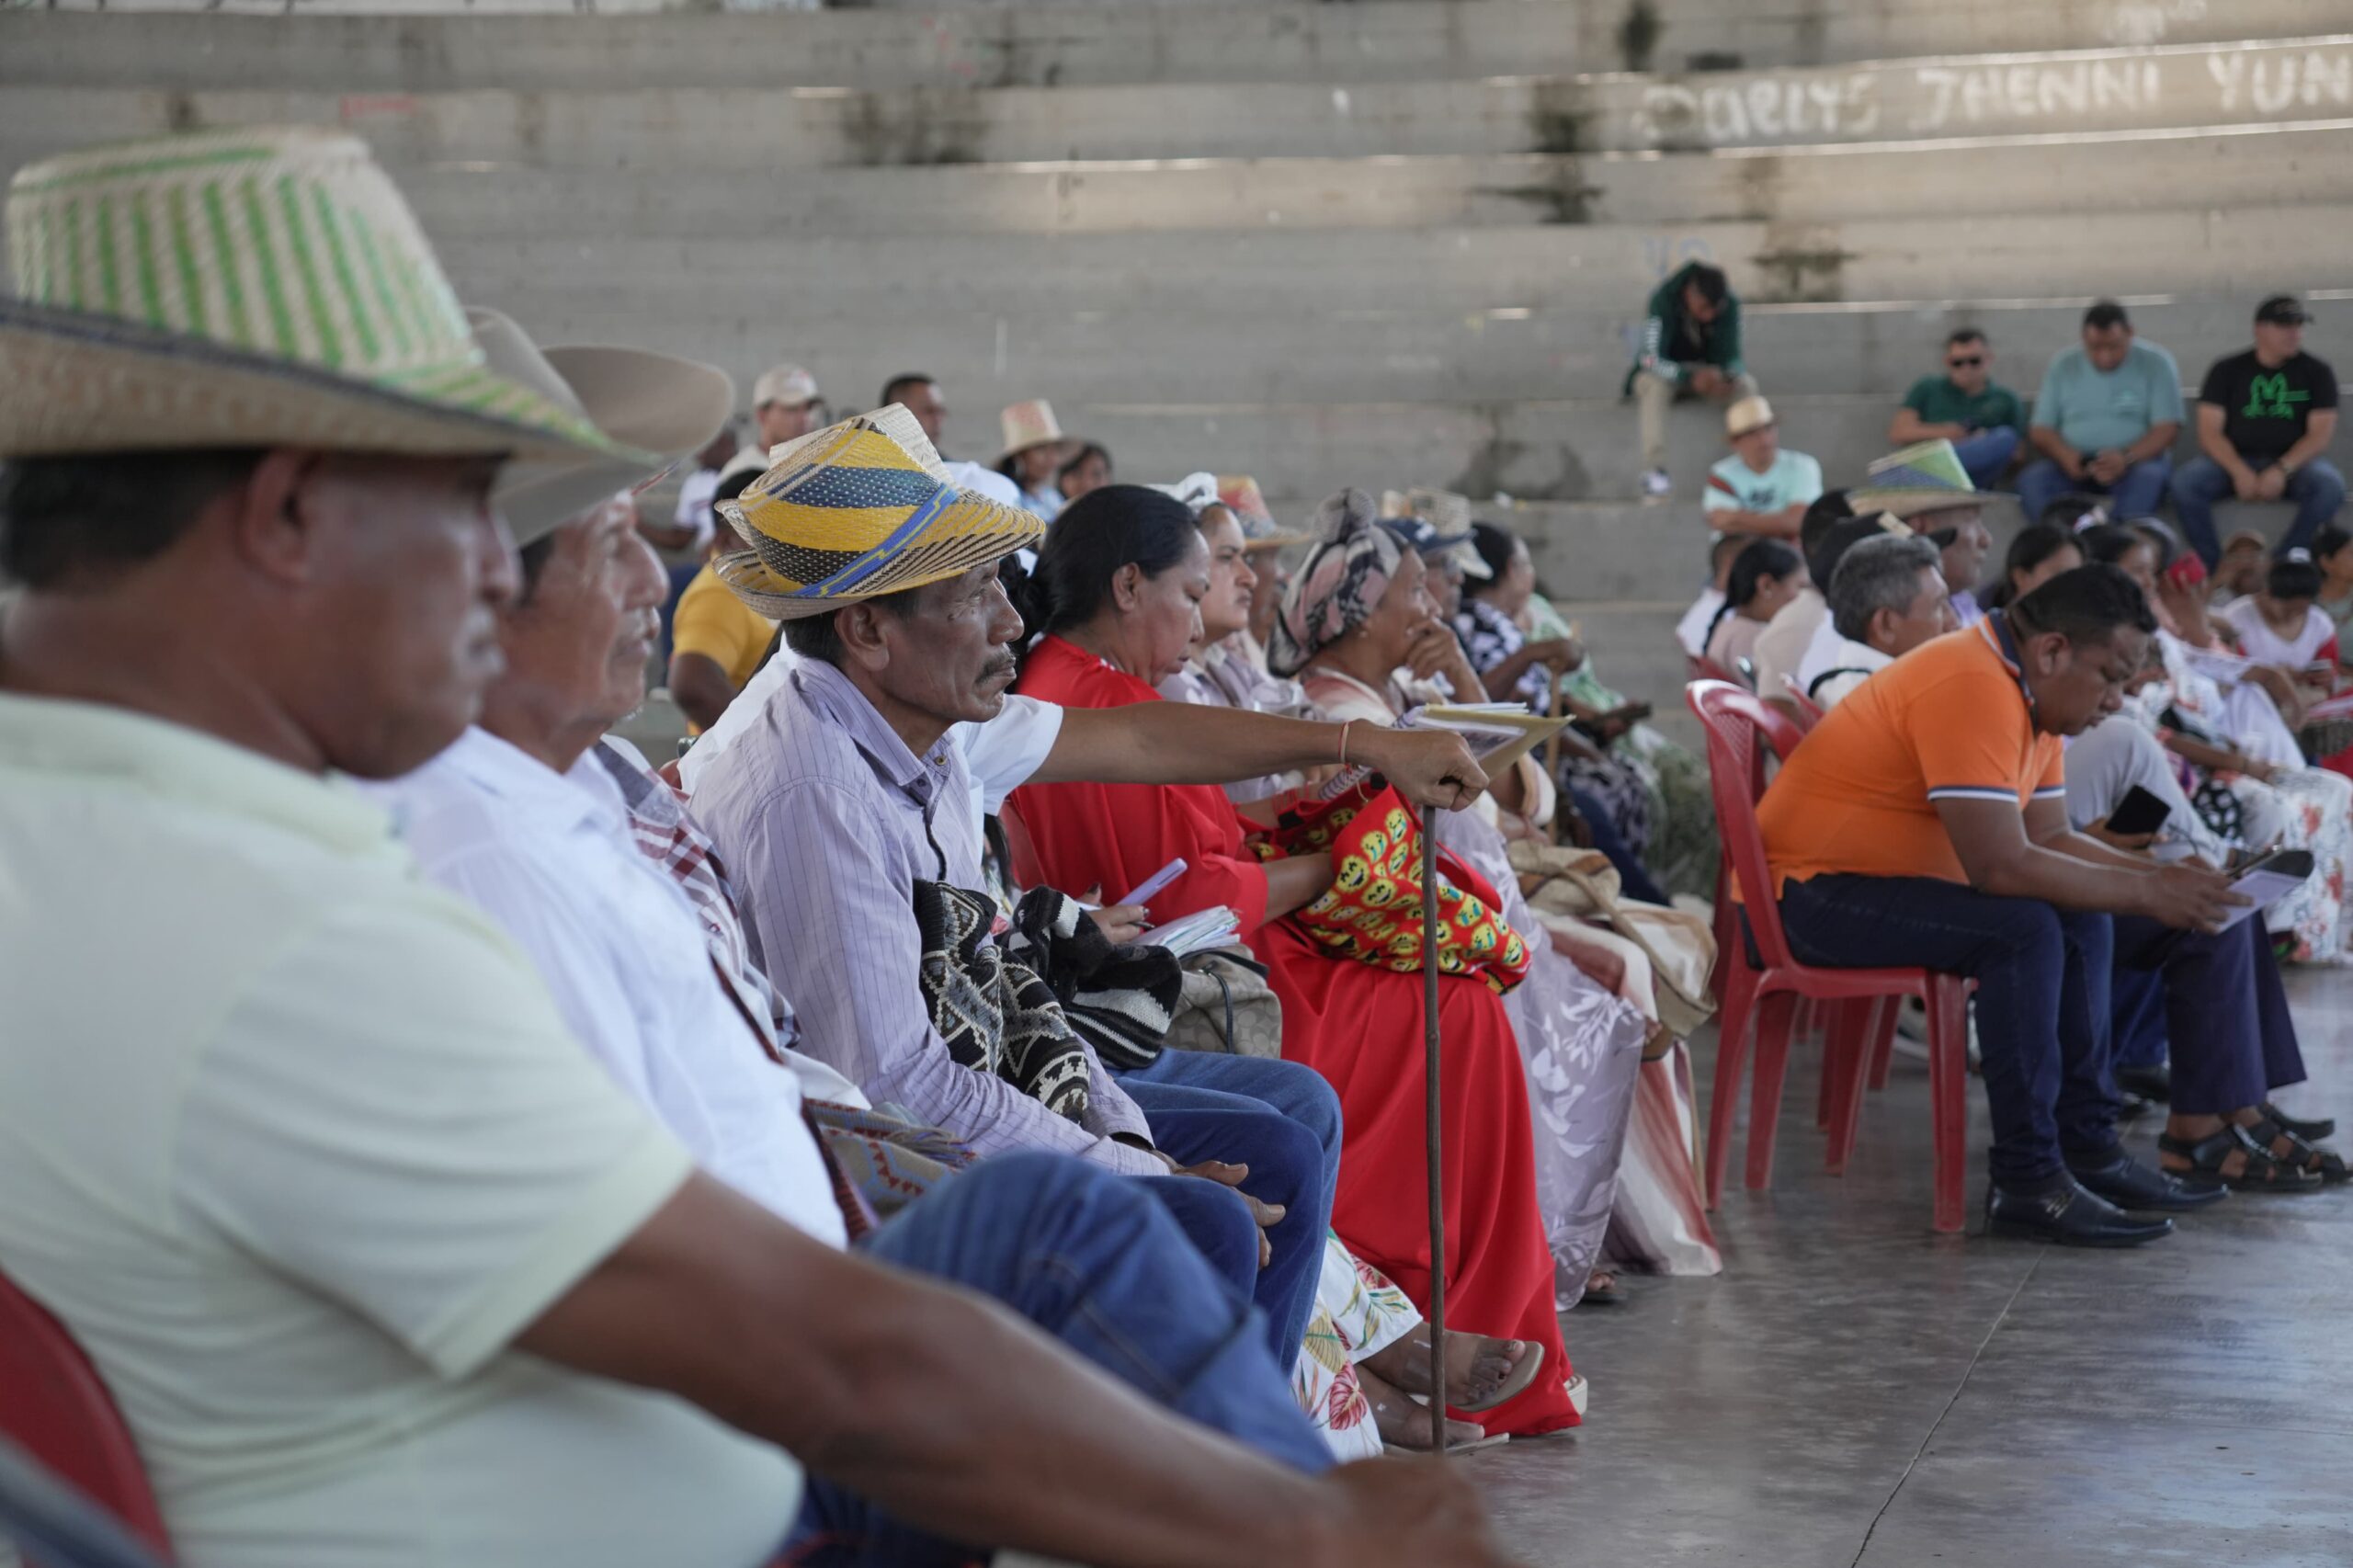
(2265, 412)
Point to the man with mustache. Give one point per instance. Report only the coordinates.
(862, 778)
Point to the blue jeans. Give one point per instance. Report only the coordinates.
(2136, 494)
(1633, 880)
(2225, 1012)
(1089, 1259)
(1282, 1120)
(1986, 456)
(2041, 976)
(2317, 490)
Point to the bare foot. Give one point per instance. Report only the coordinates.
(1403, 1423)
(1476, 1366)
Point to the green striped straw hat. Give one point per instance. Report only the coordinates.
(265, 287)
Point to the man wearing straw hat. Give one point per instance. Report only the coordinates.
(867, 772)
(379, 1265)
(1033, 455)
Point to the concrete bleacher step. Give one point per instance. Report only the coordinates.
(496, 155)
(628, 123)
(1327, 279)
(1427, 356)
(332, 41)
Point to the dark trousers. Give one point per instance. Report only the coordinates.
(2225, 1011)
(2042, 978)
(1091, 1260)
(1282, 1120)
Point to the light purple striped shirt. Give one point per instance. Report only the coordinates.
(826, 820)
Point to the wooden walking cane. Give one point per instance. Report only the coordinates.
(1432, 1136)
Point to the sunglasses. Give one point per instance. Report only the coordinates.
(1967, 362)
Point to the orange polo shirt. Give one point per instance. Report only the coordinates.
(1948, 721)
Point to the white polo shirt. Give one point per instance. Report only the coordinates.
(295, 1145)
(550, 857)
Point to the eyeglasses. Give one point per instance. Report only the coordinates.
(1967, 362)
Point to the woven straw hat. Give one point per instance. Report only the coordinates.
(858, 510)
(1028, 425)
(1243, 499)
(1748, 413)
(654, 401)
(1927, 477)
(1448, 515)
(244, 288)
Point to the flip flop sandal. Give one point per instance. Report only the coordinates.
(2260, 1170)
(1512, 1387)
(2311, 1131)
(2326, 1164)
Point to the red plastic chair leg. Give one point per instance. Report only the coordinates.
(1949, 1095)
(1727, 930)
(1731, 1054)
(1844, 1068)
(1828, 1091)
(1882, 1043)
(1776, 1013)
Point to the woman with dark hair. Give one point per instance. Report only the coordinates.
(2333, 553)
(1088, 469)
(2038, 552)
(1766, 575)
(2247, 776)
(1114, 601)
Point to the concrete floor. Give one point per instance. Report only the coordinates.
(1854, 1389)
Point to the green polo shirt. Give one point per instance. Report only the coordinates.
(1937, 402)
(295, 1145)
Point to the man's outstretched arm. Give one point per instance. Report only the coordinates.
(958, 1417)
(1184, 742)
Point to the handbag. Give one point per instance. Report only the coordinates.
(1580, 884)
(1372, 911)
(1227, 1006)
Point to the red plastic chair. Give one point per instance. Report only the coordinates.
(53, 1406)
(1702, 667)
(1764, 1000)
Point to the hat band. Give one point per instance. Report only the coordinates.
(874, 560)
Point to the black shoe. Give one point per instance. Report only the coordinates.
(2069, 1216)
(2128, 1184)
(2149, 1082)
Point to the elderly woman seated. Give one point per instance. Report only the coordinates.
(1115, 603)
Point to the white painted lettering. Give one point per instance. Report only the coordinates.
(1724, 115)
(2329, 73)
(2021, 82)
(2065, 91)
(2227, 69)
(1932, 112)
(1765, 108)
(2115, 84)
(2272, 87)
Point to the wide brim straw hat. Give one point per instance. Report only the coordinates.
(1923, 478)
(858, 510)
(1028, 425)
(653, 402)
(255, 287)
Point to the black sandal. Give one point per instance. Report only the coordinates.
(2310, 1131)
(2326, 1164)
(2260, 1170)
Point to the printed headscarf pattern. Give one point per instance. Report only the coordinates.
(1340, 584)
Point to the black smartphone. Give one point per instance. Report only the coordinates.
(2140, 812)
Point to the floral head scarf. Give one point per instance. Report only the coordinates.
(1340, 584)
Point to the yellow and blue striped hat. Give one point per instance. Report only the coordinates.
(855, 511)
(247, 287)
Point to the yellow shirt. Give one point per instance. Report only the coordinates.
(295, 1144)
(712, 621)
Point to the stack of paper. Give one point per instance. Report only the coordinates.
(1216, 927)
(1499, 733)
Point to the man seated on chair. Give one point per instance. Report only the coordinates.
(382, 1269)
(848, 797)
(1924, 824)
(1887, 596)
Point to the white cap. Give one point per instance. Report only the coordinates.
(784, 383)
